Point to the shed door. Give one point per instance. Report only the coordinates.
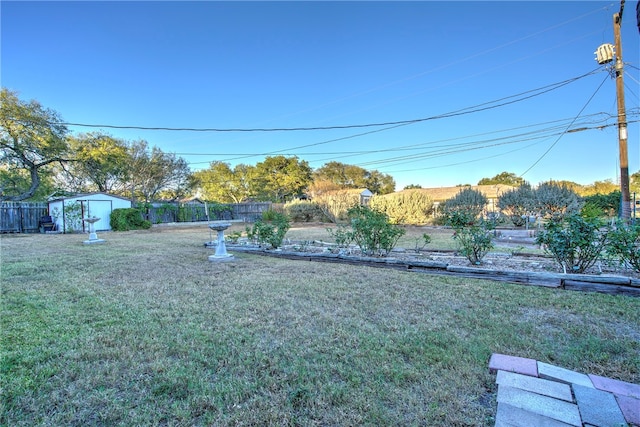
(101, 209)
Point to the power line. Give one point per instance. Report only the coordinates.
(561, 135)
(468, 110)
(289, 151)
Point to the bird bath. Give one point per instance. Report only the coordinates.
(93, 237)
(221, 249)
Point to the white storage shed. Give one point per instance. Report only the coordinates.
(67, 212)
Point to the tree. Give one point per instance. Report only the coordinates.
(506, 178)
(153, 171)
(517, 203)
(556, 199)
(573, 186)
(412, 187)
(598, 187)
(341, 174)
(225, 185)
(101, 163)
(279, 179)
(322, 186)
(465, 207)
(605, 204)
(31, 141)
(350, 176)
(13, 178)
(379, 183)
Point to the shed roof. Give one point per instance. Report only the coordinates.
(81, 195)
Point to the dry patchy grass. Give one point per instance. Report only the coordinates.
(144, 330)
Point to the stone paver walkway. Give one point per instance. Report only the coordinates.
(532, 393)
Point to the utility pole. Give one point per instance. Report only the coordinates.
(625, 211)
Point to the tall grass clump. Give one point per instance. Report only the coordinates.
(412, 207)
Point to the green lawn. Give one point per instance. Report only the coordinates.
(144, 330)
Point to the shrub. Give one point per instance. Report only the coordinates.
(474, 241)
(421, 242)
(270, 229)
(517, 204)
(128, 219)
(556, 200)
(370, 230)
(576, 242)
(609, 204)
(304, 211)
(624, 243)
(406, 207)
(342, 235)
(466, 207)
(472, 236)
(335, 204)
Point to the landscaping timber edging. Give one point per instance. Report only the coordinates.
(614, 285)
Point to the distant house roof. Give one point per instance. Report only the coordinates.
(192, 200)
(440, 194)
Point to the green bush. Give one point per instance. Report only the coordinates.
(128, 219)
(342, 235)
(575, 242)
(304, 211)
(472, 235)
(556, 200)
(370, 230)
(406, 207)
(474, 241)
(465, 207)
(609, 204)
(624, 243)
(270, 229)
(421, 242)
(517, 204)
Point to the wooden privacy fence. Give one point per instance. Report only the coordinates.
(249, 212)
(193, 212)
(21, 217)
(24, 217)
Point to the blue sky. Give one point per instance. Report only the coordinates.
(266, 65)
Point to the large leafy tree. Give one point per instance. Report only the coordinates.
(101, 163)
(32, 140)
(152, 171)
(350, 176)
(280, 179)
(225, 185)
(380, 183)
(506, 178)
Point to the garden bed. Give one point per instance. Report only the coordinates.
(521, 268)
